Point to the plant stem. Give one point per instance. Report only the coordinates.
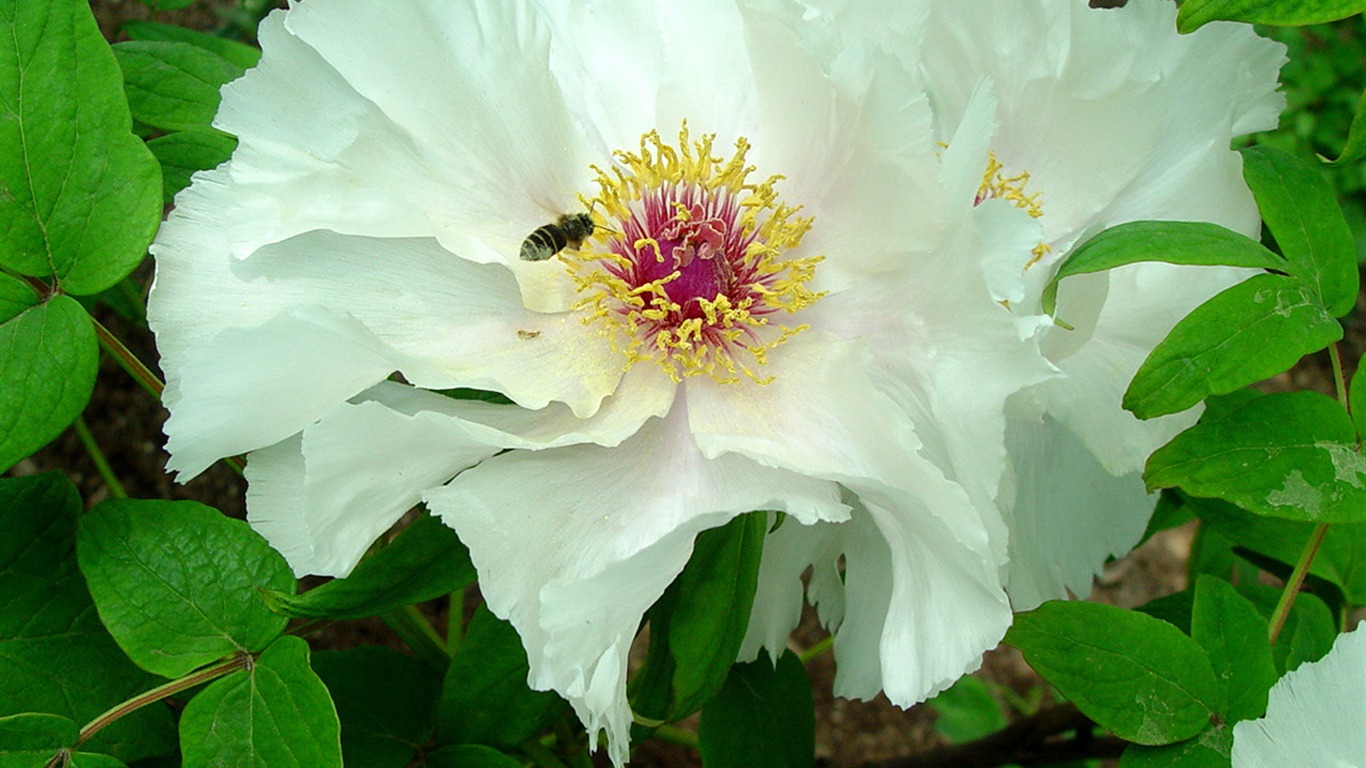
(129, 361)
(414, 629)
(237, 662)
(1292, 585)
(455, 619)
(821, 646)
(111, 481)
(675, 735)
(1339, 381)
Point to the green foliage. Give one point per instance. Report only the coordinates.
(1234, 636)
(276, 713)
(1299, 208)
(1357, 400)
(242, 55)
(1249, 332)
(184, 152)
(1196, 13)
(386, 702)
(79, 193)
(55, 657)
(485, 698)
(1133, 674)
(47, 371)
(425, 562)
(1290, 455)
(966, 711)
(470, 756)
(762, 716)
(173, 85)
(697, 625)
(1173, 242)
(176, 582)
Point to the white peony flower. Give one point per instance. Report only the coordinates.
(782, 303)
(1315, 714)
(1103, 116)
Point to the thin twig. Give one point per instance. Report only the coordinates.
(111, 481)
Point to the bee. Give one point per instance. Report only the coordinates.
(567, 231)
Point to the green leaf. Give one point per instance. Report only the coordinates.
(168, 5)
(1355, 149)
(79, 193)
(38, 759)
(1308, 633)
(55, 657)
(244, 56)
(1290, 455)
(386, 702)
(1196, 13)
(184, 152)
(470, 756)
(1247, 333)
(425, 562)
(173, 85)
(1341, 558)
(1357, 399)
(1173, 242)
(1234, 637)
(47, 371)
(763, 715)
(176, 582)
(966, 711)
(1133, 674)
(1300, 209)
(697, 625)
(485, 698)
(1208, 749)
(276, 714)
(37, 731)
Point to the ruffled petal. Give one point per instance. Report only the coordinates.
(903, 570)
(323, 497)
(1313, 714)
(575, 556)
(252, 387)
(1066, 513)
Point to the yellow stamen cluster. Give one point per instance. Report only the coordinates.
(996, 184)
(733, 334)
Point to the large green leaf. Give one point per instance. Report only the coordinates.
(1174, 242)
(697, 626)
(1196, 13)
(966, 711)
(485, 698)
(1357, 401)
(80, 195)
(1355, 149)
(244, 56)
(177, 582)
(386, 702)
(470, 756)
(1133, 674)
(1300, 209)
(276, 714)
(183, 153)
(1208, 749)
(763, 715)
(425, 562)
(1247, 333)
(1234, 637)
(173, 85)
(1290, 455)
(47, 369)
(55, 657)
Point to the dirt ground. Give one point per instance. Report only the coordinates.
(126, 422)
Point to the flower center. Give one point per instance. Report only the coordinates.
(686, 266)
(1013, 189)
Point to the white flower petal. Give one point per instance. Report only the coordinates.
(1314, 714)
(469, 84)
(1066, 514)
(249, 388)
(574, 557)
(323, 497)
